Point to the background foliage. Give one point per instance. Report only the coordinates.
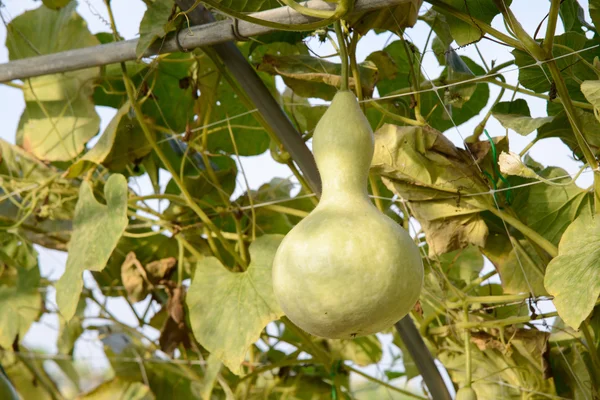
(199, 261)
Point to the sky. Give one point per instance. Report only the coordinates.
(261, 169)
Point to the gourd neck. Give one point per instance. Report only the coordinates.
(343, 146)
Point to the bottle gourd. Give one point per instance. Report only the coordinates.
(346, 270)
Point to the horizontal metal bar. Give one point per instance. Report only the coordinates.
(196, 36)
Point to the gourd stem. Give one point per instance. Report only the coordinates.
(343, 54)
(467, 339)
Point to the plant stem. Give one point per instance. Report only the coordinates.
(499, 299)
(527, 231)
(467, 340)
(551, 28)
(287, 210)
(343, 54)
(385, 384)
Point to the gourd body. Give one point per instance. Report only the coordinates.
(466, 393)
(346, 270)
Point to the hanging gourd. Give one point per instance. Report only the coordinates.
(346, 270)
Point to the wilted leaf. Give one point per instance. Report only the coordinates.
(573, 277)
(155, 24)
(515, 115)
(122, 142)
(427, 170)
(120, 389)
(314, 77)
(59, 117)
(96, 232)
(228, 311)
(174, 331)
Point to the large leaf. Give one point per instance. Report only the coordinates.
(220, 102)
(310, 76)
(249, 5)
(228, 311)
(59, 117)
(550, 209)
(463, 32)
(443, 116)
(155, 24)
(572, 16)
(533, 77)
(396, 52)
(96, 231)
(394, 19)
(122, 142)
(431, 174)
(591, 91)
(594, 7)
(515, 115)
(560, 127)
(19, 308)
(462, 266)
(362, 351)
(119, 389)
(573, 277)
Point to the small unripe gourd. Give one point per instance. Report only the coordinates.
(346, 270)
(466, 393)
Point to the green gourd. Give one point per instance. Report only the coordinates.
(346, 270)
(466, 393)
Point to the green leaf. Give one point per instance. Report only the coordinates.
(591, 91)
(437, 21)
(303, 115)
(431, 174)
(515, 115)
(549, 209)
(572, 16)
(122, 142)
(403, 63)
(249, 5)
(228, 311)
(362, 351)
(463, 32)
(439, 118)
(462, 265)
(155, 24)
(536, 79)
(59, 117)
(395, 18)
(171, 97)
(560, 127)
(519, 266)
(220, 102)
(386, 66)
(109, 87)
(573, 277)
(310, 76)
(594, 6)
(120, 389)
(55, 4)
(456, 69)
(96, 232)
(19, 308)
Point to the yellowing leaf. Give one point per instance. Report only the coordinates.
(121, 143)
(18, 309)
(59, 116)
(432, 175)
(573, 277)
(96, 231)
(120, 389)
(228, 310)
